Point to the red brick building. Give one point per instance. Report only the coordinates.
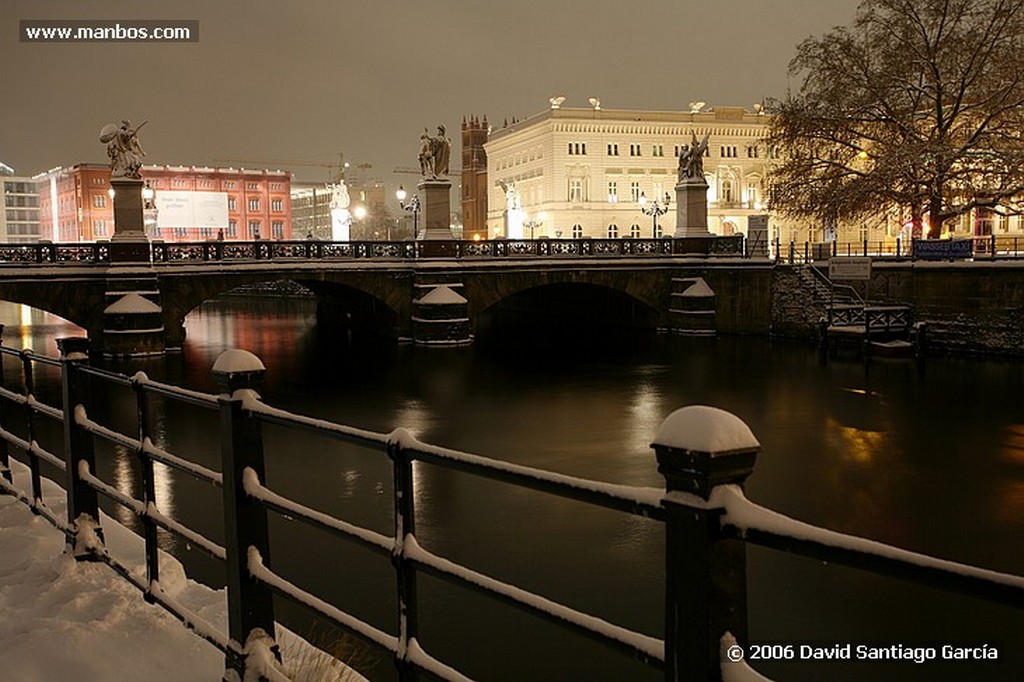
(474, 178)
(75, 203)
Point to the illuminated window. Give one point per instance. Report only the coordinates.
(254, 204)
(276, 205)
(99, 201)
(613, 192)
(634, 191)
(277, 229)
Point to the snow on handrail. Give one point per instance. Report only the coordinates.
(152, 451)
(649, 647)
(32, 448)
(263, 574)
(151, 512)
(172, 391)
(745, 515)
(621, 497)
(42, 408)
(256, 490)
(252, 404)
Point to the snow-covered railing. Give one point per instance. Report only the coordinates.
(705, 455)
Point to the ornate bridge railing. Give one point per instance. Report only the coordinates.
(47, 253)
(705, 455)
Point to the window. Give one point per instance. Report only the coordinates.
(751, 152)
(634, 191)
(634, 231)
(254, 229)
(613, 231)
(99, 201)
(576, 190)
(728, 151)
(254, 204)
(276, 205)
(613, 192)
(727, 191)
(99, 228)
(613, 150)
(231, 204)
(658, 150)
(577, 231)
(577, 148)
(634, 150)
(232, 228)
(251, 185)
(277, 229)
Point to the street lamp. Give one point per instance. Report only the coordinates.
(654, 210)
(413, 206)
(535, 222)
(149, 208)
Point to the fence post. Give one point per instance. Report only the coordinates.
(5, 460)
(405, 527)
(83, 502)
(698, 449)
(250, 604)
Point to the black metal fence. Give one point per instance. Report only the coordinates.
(708, 521)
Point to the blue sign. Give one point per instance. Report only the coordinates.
(943, 249)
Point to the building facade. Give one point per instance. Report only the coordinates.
(580, 172)
(19, 201)
(75, 204)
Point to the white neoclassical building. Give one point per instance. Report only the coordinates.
(569, 172)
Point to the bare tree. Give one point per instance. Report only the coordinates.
(918, 104)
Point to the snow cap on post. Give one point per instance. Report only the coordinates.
(700, 447)
(236, 368)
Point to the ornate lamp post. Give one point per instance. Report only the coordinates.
(413, 206)
(535, 222)
(149, 209)
(658, 208)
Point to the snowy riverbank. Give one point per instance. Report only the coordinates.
(63, 620)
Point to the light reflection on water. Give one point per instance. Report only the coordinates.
(927, 457)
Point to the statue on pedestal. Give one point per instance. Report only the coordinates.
(691, 158)
(435, 153)
(123, 148)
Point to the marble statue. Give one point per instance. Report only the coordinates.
(435, 154)
(691, 158)
(123, 148)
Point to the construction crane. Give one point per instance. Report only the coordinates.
(338, 168)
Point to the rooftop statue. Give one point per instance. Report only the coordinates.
(123, 148)
(435, 153)
(691, 158)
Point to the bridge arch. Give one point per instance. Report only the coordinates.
(74, 300)
(366, 295)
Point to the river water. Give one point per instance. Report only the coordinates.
(926, 455)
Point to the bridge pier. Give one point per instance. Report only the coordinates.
(132, 316)
(691, 307)
(440, 315)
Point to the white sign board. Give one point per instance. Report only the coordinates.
(191, 209)
(850, 268)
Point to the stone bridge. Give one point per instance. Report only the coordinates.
(140, 308)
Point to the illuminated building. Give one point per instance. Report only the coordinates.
(585, 169)
(191, 203)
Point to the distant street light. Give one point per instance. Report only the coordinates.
(654, 210)
(535, 222)
(413, 206)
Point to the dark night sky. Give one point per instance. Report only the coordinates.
(311, 78)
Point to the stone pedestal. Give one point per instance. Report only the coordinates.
(691, 208)
(692, 307)
(129, 243)
(440, 317)
(435, 196)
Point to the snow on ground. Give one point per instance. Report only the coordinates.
(67, 620)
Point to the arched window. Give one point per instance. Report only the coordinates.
(613, 231)
(727, 197)
(634, 231)
(577, 231)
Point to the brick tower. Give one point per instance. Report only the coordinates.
(474, 178)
